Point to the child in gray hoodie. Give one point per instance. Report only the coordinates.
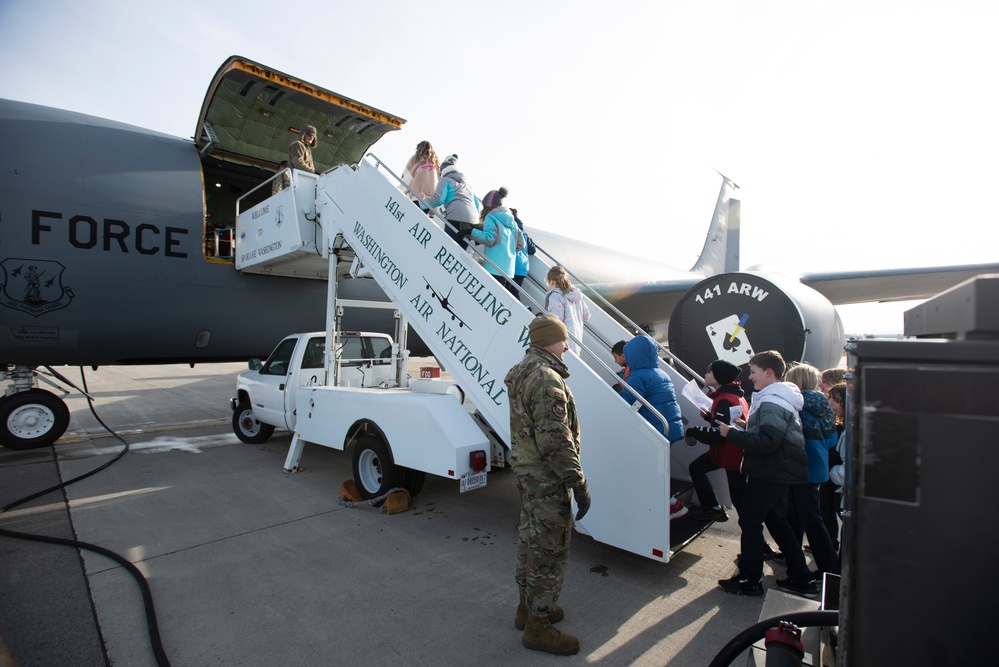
(773, 458)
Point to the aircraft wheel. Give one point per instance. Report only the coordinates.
(247, 427)
(32, 419)
(374, 471)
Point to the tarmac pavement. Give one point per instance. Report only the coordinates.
(249, 565)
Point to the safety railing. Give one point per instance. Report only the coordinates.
(523, 293)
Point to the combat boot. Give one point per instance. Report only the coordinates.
(539, 635)
(520, 620)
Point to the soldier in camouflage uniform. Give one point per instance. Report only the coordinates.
(544, 432)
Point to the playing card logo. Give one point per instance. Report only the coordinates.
(730, 340)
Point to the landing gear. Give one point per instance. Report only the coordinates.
(32, 419)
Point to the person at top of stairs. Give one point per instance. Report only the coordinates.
(300, 150)
(422, 170)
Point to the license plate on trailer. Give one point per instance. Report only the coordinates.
(473, 480)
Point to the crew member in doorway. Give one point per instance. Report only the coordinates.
(544, 434)
(300, 150)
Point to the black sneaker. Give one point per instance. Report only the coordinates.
(777, 556)
(710, 514)
(808, 589)
(740, 586)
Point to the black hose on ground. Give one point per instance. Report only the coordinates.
(63, 485)
(147, 595)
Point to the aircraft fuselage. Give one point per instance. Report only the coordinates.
(102, 246)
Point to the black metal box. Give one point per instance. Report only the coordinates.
(921, 545)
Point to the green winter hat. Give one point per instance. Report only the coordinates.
(546, 330)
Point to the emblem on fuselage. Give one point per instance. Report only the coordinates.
(33, 286)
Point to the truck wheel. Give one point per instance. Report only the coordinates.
(413, 480)
(246, 426)
(374, 471)
(32, 419)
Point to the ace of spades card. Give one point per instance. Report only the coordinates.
(730, 340)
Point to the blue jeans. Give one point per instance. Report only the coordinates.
(766, 503)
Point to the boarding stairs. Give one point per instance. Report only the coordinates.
(476, 329)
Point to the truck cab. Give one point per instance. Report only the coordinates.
(266, 393)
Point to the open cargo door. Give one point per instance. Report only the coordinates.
(250, 115)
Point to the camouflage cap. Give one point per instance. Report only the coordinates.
(546, 330)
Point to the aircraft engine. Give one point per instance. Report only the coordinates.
(732, 316)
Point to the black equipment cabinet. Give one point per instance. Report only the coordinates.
(921, 531)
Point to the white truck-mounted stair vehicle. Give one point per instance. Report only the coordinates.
(330, 225)
(266, 394)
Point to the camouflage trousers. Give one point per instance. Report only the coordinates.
(543, 541)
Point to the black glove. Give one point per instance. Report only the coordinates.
(708, 435)
(582, 496)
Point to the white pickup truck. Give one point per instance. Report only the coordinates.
(397, 429)
(266, 394)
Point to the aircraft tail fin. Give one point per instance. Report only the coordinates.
(720, 253)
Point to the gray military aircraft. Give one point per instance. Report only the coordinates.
(116, 243)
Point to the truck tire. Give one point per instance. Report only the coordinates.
(32, 419)
(413, 480)
(247, 427)
(374, 471)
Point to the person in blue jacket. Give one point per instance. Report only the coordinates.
(499, 236)
(523, 259)
(653, 384)
(461, 206)
(818, 424)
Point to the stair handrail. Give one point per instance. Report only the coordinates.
(381, 163)
(607, 305)
(239, 200)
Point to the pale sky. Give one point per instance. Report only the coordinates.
(863, 134)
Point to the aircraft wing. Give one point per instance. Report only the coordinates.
(647, 291)
(892, 284)
(647, 303)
